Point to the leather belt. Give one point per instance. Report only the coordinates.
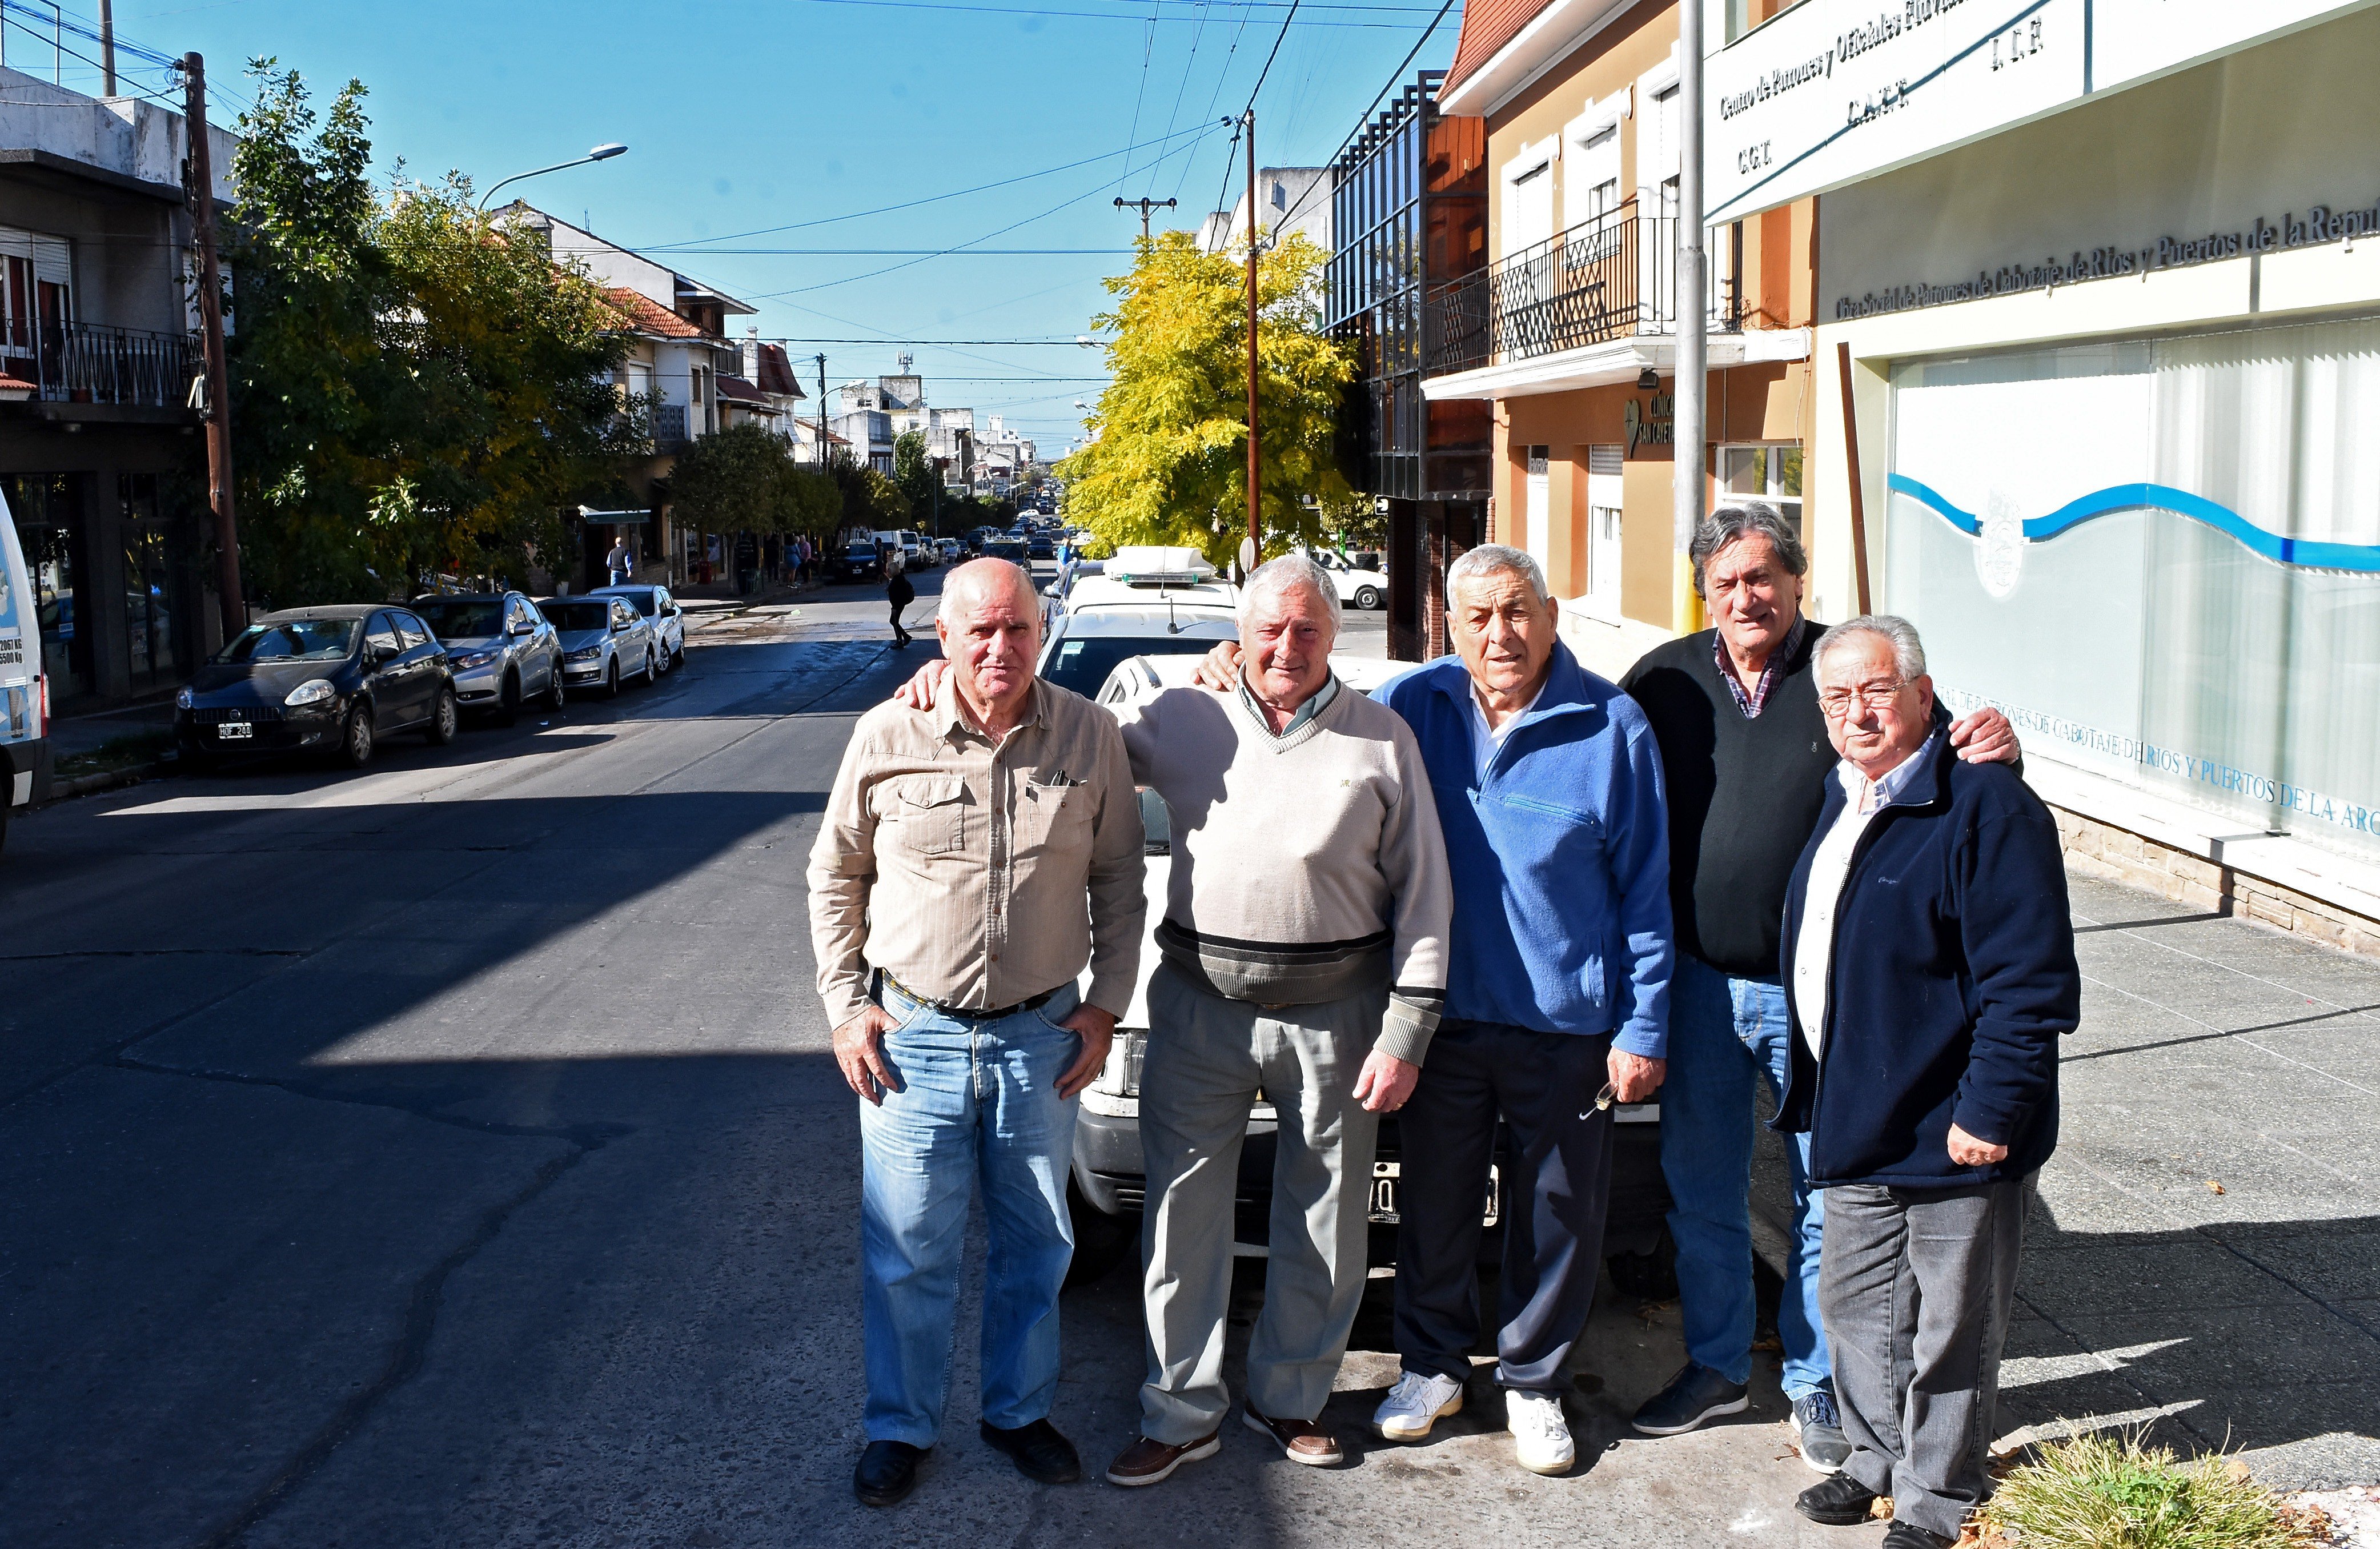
(971, 1014)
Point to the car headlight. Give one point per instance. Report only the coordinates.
(184, 699)
(314, 691)
(590, 654)
(470, 660)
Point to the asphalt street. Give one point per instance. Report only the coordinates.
(449, 1154)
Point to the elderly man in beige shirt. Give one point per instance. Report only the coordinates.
(974, 858)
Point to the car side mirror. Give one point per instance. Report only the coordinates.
(379, 656)
(522, 626)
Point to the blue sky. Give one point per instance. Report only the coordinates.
(745, 115)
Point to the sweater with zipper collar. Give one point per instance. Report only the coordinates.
(1952, 976)
(1560, 855)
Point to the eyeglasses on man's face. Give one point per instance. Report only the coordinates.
(1838, 702)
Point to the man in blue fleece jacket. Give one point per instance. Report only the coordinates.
(1548, 789)
(1928, 962)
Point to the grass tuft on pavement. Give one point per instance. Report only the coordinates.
(2113, 1492)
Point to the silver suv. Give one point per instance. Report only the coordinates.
(502, 651)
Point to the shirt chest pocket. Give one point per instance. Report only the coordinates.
(926, 814)
(1573, 836)
(1054, 819)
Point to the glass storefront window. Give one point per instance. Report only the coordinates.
(1771, 473)
(42, 505)
(2162, 559)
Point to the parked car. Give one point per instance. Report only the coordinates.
(661, 609)
(332, 679)
(861, 562)
(501, 650)
(1358, 587)
(1107, 1185)
(1083, 648)
(604, 640)
(953, 550)
(1010, 549)
(24, 690)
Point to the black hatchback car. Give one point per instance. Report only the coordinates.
(861, 562)
(330, 679)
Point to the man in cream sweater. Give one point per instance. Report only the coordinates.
(1305, 958)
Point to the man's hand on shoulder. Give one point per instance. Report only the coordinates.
(1096, 1030)
(923, 685)
(1218, 670)
(860, 1049)
(1984, 736)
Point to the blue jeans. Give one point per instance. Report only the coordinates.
(1725, 1034)
(976, 1100)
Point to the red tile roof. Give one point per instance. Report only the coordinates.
(735, 390)
(1487, 24)
(777, 372)
(644, 314)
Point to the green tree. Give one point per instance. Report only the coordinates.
(731, 480)
(412, 389)
(1169, 464)
(915, 474)
(869, 499)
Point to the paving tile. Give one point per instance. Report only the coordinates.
(2191, 1352)
(2115, 1276)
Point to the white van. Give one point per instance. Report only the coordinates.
(24, 691)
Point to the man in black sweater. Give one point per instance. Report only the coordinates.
(1746, 754)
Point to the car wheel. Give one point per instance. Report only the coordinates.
(611, 680)
(1100, 1240)
(557, 693)
(356, 737)
(664, 662)
(1368, 596)
(442, 719)
(652, 673)
(508, 700)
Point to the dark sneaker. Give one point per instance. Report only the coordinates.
(1819, 1430)
(887, 1473)
(1909, 1535)
(1038, 1451)
(1840, 1501)
(1149, 1462)
(1694, 1394)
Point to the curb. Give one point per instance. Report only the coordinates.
(106, 780)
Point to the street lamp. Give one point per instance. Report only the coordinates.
(601, 153)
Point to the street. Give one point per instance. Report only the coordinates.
(449, 1154)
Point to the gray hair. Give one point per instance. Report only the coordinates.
(1733, 524)
(977, 576)
(1287, 573)
(1497, 559)
(1908, 652)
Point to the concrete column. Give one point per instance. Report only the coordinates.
(99, 590)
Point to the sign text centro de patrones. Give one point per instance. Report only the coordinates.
(2318, 226)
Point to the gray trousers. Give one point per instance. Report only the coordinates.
(1918, 1285)
(1207, 1058)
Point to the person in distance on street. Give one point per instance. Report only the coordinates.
(1929, 966)
(975, 856)
(1557, 977)
(620, 563)
(900, 594)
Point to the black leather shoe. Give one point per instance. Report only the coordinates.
(887, 1473)
(1909, 1535)
(1040, 1453)
(1836, 1501)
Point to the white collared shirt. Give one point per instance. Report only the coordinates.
(1487, 739)
(1813, 948)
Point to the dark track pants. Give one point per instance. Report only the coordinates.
(1553, 1203)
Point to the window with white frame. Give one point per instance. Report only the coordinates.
(1592, 178)
(1771, 473)
(1529, 198)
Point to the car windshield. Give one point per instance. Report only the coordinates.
(642, 601)
(1083, 665)
(859, 551)
(295, 640)
(462, 618)
(586, 613)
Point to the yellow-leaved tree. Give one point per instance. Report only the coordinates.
(1169, 461)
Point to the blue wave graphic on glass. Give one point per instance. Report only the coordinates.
(2361, 557)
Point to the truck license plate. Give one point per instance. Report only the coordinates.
(1385, 1176)
(234, 730)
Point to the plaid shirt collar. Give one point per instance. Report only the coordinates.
(1753, 702)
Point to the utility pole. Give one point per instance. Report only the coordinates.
(107, 46)
(1144, 206)
(1688, 411)
(202, 221)
(1255, 488)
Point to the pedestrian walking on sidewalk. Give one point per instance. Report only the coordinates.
(1928, 962)
(619, 562)
(900, 594)
(976, 856)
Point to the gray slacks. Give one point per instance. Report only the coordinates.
(1918, 1285)
(1207, 1059)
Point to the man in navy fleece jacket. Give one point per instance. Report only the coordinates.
(1928, 961)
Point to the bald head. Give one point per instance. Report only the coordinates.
(978, 580)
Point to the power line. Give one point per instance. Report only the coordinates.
(1089, 16)
(907, 252)
(1217, 95)
(1147, 48)
(1364, 118)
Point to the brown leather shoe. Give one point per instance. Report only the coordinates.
(1304, 1441)
(1150, 1462)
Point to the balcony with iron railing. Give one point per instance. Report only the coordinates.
(74, 363)
(1604, 280)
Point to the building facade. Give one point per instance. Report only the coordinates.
(1567, 336)
(2107, 288)
(100, 457)
(1409, 204)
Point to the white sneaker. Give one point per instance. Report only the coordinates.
(1541, 1433)
(1416, 1404)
